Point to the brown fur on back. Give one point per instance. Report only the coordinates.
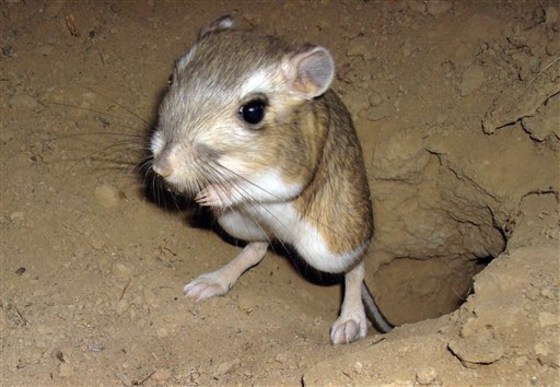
(337, 199)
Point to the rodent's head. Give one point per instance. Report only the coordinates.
(240, 108)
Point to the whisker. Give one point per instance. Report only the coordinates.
(91, 155)
(124, 108)
(128, 135)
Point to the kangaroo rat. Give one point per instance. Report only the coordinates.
(250, 127)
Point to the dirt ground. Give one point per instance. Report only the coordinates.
(457, 106)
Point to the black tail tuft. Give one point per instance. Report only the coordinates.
(379, 322)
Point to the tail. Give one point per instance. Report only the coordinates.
(377, 319)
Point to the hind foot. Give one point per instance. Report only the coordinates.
(347, 329)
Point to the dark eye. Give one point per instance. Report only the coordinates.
(253, 111)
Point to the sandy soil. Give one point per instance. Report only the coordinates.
(457, 105)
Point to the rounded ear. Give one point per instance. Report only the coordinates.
(309, 71)
(223, 23)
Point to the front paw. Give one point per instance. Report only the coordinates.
(206, 286)
(213, 196)
(348, 329)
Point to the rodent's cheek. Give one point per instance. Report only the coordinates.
(236, 165)
(157, 142)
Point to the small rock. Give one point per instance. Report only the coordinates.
(122, 270)
(551, 15)
(150, 298)
(541, 349)
(546, 319)
(125, 380)
(473, 79)
(426, 375)
(358, 46)
(553, 47)
(65, 370)
(483, 350)
(358, 367)
(17, 217)
(107, 195)
(547, 353)
(548, 293)
(162, 374)
(97, 346)
(375, 99)
(23, 102)
(379, 112)
(438, 7)
(406, 49)
(225, 367)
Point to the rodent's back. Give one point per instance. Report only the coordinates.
(339, 196)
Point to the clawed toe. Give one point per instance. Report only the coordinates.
(345, 333)
(203, 288)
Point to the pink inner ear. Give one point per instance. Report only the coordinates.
(310, 72)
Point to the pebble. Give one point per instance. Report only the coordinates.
(548, 293)
(122, 270)
(406, 49)
(65, 370)
(483, 350)
(107, 195)
(417, 6)
(125, 380)
(426, 375)
(17, 217)
(358, 367)
(546, 319)
(552, 15)
(23, 102)
(97, 346)
(375, 99)
(473, 78)
(541, 349)
(553, 47)
(379, 112)
(162, 374)
(225, 367)
(358, 47)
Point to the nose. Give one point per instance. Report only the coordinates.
(162, 165)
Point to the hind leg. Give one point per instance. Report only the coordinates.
(351, 325)
(219, 282)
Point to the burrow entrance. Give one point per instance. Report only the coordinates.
(434, 234)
